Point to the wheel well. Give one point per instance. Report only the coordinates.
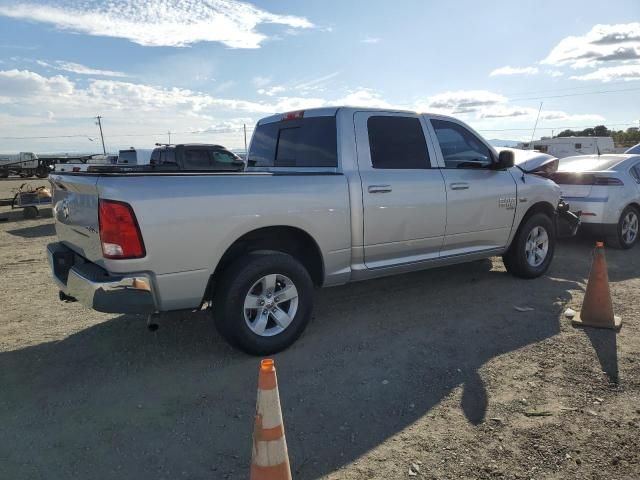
(635, 205)
(540, 207)
(297, 243)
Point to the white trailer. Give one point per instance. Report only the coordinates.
(561, 147)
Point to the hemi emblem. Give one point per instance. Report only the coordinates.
(509, 203)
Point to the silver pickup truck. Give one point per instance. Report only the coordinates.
(330, 196)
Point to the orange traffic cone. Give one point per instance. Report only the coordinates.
(597, 310)
(269, 459)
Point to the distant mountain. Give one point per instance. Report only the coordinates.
(503, 143)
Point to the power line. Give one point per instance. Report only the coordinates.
(191, 132)
(550, 128)
(596, 92)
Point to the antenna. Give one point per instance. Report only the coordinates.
(535, 126)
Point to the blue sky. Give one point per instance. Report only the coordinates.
(203, 69)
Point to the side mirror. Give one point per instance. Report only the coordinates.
(506, 159)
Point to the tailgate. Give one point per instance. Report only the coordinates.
(75, 209)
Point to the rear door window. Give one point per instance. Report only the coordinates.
(197, 159)
(304, 142)
(397, 143)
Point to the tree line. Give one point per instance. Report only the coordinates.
(621, 138)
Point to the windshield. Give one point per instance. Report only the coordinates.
(634, 150)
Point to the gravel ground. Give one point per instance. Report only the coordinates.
(427, 375)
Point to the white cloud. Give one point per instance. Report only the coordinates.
(175, 23)
(603, 43)
(364, 97)
(462, 101)
(57, 106)
(507, 70)
(84, 70)
(555, 73)
(272, 91)
(371, 40)
(485, 105)
(24, 83)
(316, 83)
(607, 74)
(79, 69)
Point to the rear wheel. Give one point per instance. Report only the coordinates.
(264, 302)
(627, 230)
(4, 173)
(531, 251)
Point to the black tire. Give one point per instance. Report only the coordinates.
(30, 212)
(235, 284)
(42, 172)
(4, 173)
(619, 241)
(515, 259)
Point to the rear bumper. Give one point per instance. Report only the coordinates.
(95, 288)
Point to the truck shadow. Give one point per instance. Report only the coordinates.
(43, 230)
(116, 401)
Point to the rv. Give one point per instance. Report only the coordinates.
(561, 147)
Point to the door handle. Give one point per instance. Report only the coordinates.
(379, 188)
(459, 186)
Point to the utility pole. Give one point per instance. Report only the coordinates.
(244, 126)
(99, 118)
(169, 133)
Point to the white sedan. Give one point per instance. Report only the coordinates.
(606, 190)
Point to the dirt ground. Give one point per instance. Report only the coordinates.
(427, 375)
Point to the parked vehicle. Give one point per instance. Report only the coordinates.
(24, 164)
(330, 196)
(84, 164)
(606, 190)
(134, 156)
(197, 157)
(561, 147)
(635, 150)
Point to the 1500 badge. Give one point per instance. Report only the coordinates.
(509, 203)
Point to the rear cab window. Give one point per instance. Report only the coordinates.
(298, 142)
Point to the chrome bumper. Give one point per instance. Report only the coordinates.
(95, 288)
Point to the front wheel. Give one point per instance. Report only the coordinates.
(531, 251)
(264, 302)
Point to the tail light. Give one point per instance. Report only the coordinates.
(119, 231)
(570, 178)
(608, 181)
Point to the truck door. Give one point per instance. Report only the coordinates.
(481, 202)
(404, 200)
